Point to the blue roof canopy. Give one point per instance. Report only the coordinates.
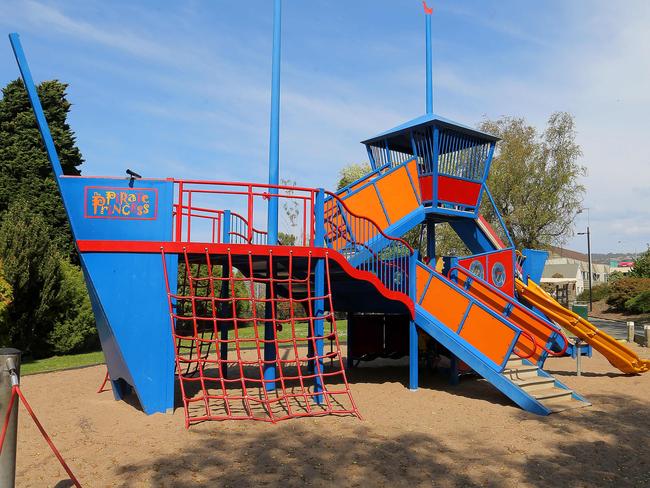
(399, 137)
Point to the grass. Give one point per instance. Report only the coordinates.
(56, 363)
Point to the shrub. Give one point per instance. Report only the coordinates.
(639, 304)
(74, 328)
(598, 292)
(625, 289)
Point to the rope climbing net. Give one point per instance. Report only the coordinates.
(250, 332)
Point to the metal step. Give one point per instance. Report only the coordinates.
(522, 372)
(552, 393)
(539, 383)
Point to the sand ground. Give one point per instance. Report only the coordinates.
(441, 435)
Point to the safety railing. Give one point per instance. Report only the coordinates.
(227, 212)
(366, 246)
(514, 304)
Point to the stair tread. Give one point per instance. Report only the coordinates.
(559, 404)
(551, 393)
(536, 380)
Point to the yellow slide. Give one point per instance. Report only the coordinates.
(617, 354)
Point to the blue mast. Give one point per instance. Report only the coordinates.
(274, 145)
(429, 88)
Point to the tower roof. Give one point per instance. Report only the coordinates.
(399, 135)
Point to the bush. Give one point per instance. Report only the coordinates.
(598, 292)
(74, 329)
(639, 304)
(625, 289)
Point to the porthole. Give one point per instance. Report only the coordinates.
(498, 275)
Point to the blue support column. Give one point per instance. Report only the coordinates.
(413, 330)
(431, 242)
(319, 291)
(274, 179)
(274, 143)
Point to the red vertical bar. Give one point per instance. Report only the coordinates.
(304, 222)
(179, 213)
(189, 214)
(250, 213)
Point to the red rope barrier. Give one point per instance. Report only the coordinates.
(16, 392)
(106, 378)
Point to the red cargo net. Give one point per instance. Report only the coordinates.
(219, 318)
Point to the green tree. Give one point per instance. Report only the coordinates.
(535, 178)
(641, 267)
(25, 172)
(74, 328)
(351, 173)
(31, 267)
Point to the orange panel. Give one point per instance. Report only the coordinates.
(412, 168)
(445, 303)
(397, 193)
(366, 204)
(487, 334)
(421, 279)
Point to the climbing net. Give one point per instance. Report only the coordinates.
(250, 334)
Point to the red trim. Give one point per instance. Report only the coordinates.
(427, 10)
(203, 247)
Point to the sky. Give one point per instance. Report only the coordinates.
(182, 88)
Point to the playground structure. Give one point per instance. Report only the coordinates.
(172, 264)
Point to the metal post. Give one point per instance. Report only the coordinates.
(578, 348)
(319, 292)
(413, 330)
(630, 332)
(429, 88)
(9, 360)
(274, 144)
(590, 275)
(646, 333)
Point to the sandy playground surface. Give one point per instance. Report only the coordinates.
(441, 435)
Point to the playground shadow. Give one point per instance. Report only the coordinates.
(588, 448)
(469, 386)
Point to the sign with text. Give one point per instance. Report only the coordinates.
(121, 203)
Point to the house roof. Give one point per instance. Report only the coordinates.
(567, 253)
(568, 271)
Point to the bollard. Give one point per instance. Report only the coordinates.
(9, 360)
(646, 333)
(578, 349)
(630, 332)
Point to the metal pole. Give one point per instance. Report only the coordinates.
(9, 376)
(429, 83)
(274, 144)
(590, 275)
(274, 179)
(578, 348)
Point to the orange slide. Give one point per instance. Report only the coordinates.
(619, 355)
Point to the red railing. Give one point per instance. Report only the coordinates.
(515, 304)
(227, 212)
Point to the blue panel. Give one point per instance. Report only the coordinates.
(472, 236)
(127, 290)
(132, 313)
(533, 265)
(112, 209)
